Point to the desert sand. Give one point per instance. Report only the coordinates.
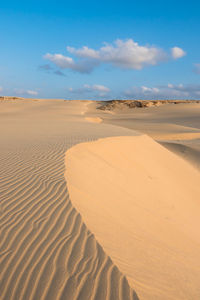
(99, 204)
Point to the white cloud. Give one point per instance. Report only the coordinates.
(124, 54)
(96, 89)
(100, 88)
(149, 90)
(1, 89)
(83, 52)
(26, 92)
(60, 60)
(65, 62)
(169, 91)
(177, 52)
(33, 93)
(170, 86)
(197, 68)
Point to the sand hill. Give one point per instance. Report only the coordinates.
(99, 204)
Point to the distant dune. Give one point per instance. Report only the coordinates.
(120, 104)
(177, 127)
(99, 203)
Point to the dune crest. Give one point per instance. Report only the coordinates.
(142, 203)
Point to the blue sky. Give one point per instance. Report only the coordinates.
(116, 49)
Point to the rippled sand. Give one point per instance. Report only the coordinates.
(53, 244)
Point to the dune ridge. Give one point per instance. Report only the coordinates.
(142, 203)
(46, 250)
(122, 104)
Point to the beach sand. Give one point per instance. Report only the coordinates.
(99, 204)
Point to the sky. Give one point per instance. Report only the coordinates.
(100, 49)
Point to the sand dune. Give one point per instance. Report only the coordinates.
(142, 203)
(48, 247)
(46, 250)
(113, 105)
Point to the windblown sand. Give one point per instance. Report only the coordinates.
(142, 202)
(46, 249)
(125, 221)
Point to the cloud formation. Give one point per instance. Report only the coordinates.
(49, 69)
(169, 91)
(177, 52)
(59, 73)
(65, 62)
(26, 92)
(96, 89)
(124, 54)
(30, 92)
(1, 89)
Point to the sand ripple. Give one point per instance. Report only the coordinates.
(46, 251)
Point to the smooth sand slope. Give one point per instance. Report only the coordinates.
(46, 250)
(142, 202)
(177, 127)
